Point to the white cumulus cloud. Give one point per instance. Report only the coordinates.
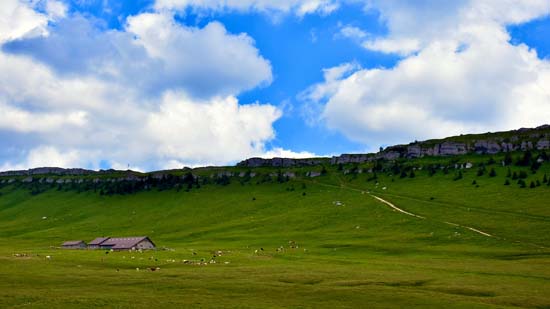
(152, 95)
(464, 75)
(298, 7)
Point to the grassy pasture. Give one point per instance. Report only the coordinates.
(349, 249)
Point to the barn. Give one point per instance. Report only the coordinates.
(74, 244)
(96, 243)
(122, 243)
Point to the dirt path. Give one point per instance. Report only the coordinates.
(395, 207)
(421, 217)
(469, 228)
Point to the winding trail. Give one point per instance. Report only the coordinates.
(395, 207)
(421, 217)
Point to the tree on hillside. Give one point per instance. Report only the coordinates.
(481, 171)
(525, 160)
(507, 182)
(431, 170)
(545, 179)
(492, 173)
(458, 176)
(508, 159)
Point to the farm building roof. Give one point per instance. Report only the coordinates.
(124, 242)
(72, 243)
(98, 241)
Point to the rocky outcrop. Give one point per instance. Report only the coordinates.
(351, 158)
(452, 149)
(57, 171)
(489, 143)
(543, 144)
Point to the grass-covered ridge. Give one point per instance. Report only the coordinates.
(282, 238)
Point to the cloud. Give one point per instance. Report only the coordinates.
(297, 7)
(284, 153)
(224, 132)
(153, 53)
(464, 75)
(19, 19)
(78, 94)
(415, 24)
(352, 32)
(56, 9)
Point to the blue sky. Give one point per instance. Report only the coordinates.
(165, 83)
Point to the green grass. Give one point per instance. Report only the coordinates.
(357, 255)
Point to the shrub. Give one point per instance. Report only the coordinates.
(532, 185)
(507, 182)
(492, 173)
(412, 174)
(521, 183)
(522, 174)
(474, 182)
(481, 171)
(458, 176)
(545, 179)
(508, 159)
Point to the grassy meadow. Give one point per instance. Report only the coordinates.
(322, 242)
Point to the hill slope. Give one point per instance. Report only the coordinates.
(285, 238)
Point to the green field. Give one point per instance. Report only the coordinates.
(321, 242)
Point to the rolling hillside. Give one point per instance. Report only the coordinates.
(287, 237)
